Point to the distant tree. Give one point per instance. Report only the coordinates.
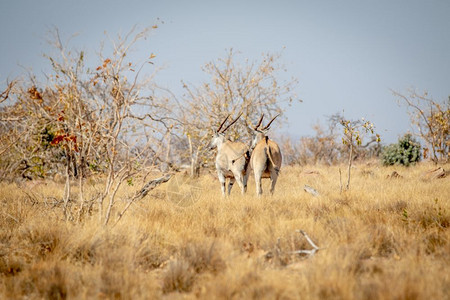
(353, 132)
(432, 119)
(250, 88)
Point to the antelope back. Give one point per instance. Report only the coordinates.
(231, 156)
(262, 150)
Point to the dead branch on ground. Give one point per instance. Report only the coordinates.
(152, 184)
(308, 252)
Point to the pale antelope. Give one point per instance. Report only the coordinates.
(232, 159)
(265, 156)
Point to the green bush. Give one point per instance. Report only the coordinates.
(405, 152)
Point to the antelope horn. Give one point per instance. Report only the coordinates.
(259, 122)
(267, 126)
(232, 123)
(218, 130)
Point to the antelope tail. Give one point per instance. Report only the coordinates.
(247, 160)
(269, 155)
(246, 155)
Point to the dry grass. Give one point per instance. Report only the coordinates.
(383, 239)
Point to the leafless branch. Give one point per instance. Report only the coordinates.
(5, 94)
(432, 120)
(152, 184)
(311, 252)
(11, 217)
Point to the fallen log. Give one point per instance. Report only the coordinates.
(434, 174)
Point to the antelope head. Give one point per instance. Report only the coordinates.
(218, 136)
(259, 133)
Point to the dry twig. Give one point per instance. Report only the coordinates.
(143, 192)
(308, 252)
(311, 190)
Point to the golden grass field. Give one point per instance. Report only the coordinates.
(382, 239)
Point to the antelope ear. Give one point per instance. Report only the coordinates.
(251, 128)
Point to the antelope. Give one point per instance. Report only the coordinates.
(232, 159)
(265, 156)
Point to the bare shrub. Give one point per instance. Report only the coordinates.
(84, 120)
(432, 119)
(326, 146)
(322, 148)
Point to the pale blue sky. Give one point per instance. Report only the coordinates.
(346, 54)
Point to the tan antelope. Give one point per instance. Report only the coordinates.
(265, 156)
(232, 159)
